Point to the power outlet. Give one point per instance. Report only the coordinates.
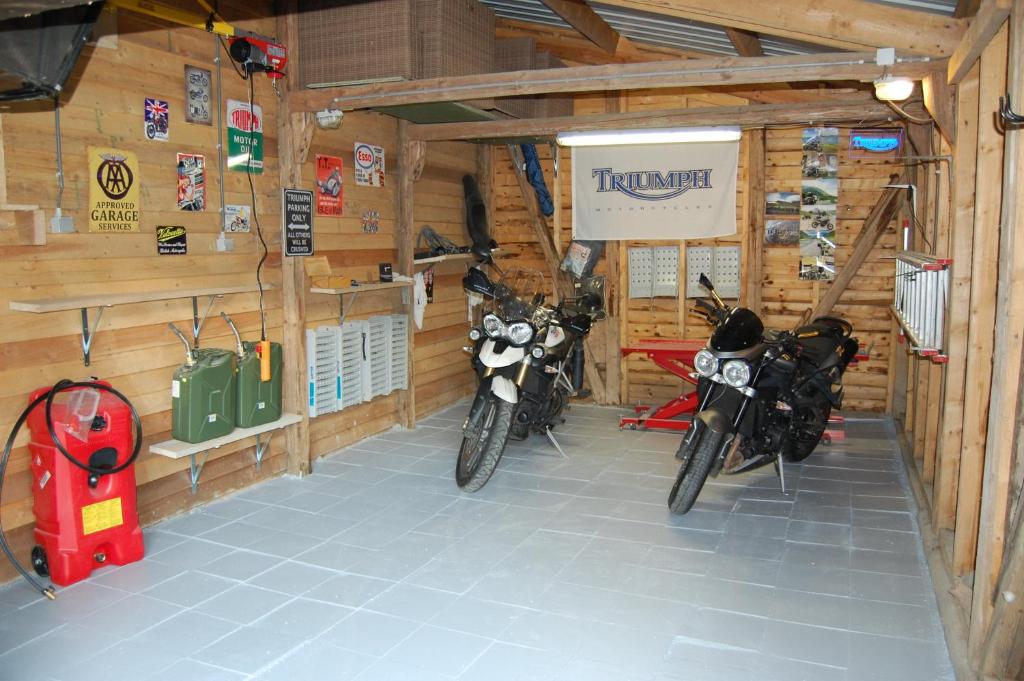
(225, 244)
(62, 224)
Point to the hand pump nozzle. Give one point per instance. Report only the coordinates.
(190, 359)
(234, 330)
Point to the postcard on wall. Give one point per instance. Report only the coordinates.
(369, 165)
(191, 182)
(198, 101)
(171, 240)
(237, 218)
(782, 232)
(156, 119)
(782, 204)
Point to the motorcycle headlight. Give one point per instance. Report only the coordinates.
(474, 334)
(705, 363)
(520, 333)
(736, 373)
(494, 327)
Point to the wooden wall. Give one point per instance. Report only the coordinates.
(133, 348)
(785, 297)
(961, 420)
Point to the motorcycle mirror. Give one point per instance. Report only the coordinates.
(706, 283)
(538, 298)
(477, 282)
(591, 302)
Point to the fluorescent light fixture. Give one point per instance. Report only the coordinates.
(890, 88)
(604, 138)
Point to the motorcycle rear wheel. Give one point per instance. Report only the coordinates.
(483, 445)
(696, 465)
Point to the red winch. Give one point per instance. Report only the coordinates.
(85, 437)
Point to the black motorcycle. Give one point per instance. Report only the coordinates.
(763, 394)
(529, 358)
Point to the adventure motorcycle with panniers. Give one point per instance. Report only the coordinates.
(763, 394)
(529, 359)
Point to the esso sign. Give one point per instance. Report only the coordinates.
(364, 156)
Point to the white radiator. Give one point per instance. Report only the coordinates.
(350, 362)
(322, 370)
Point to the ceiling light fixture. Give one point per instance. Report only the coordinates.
(602, 138)
(891, 88)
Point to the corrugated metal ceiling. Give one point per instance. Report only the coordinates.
(682, 34)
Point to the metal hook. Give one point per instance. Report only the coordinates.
(1009, 116)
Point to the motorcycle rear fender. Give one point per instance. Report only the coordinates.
(497, 360)
(505, 389)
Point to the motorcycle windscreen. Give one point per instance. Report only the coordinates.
(742, 329)
(38, 52)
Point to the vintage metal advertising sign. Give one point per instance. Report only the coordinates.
(198, 101)
(245, 137)
(113, 190)
(369, 165)
(329, 197)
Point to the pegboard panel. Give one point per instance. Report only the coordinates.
(666, 271)
(727, 271)
(699, 260)
(641, 272)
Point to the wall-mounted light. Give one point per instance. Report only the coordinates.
(601, 138)
(329, 119)
(890, 88)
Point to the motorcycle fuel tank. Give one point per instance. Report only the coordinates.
(741, 330)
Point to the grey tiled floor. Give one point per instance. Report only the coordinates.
(375, 567)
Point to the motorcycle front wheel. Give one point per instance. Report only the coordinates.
(483, 444)
(697, 455)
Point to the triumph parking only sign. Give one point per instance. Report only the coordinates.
(654, 191)
(298, 222)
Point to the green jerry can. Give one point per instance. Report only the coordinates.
(203, 394)
(259, 401)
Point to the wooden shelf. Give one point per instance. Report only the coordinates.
(102, 301)
(443, 258)
(110, 299)
(373, 286)
(176, 449)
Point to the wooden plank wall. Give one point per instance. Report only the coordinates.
(961, 421)
(133, 348)
(785, 297)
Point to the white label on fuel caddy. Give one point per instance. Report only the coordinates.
(211, 418)
(175, 388)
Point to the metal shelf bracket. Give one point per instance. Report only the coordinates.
(87, 334)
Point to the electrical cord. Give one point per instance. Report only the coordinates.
(255, 215)
(47, 398)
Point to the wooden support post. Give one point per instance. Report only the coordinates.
(556, 197)
(982, 29)
(961, 245)
(616, 300)
(1005, 396)
(752, 268)
(411, 159)
(980, 339)
(938, 100)
(1002, 653)
(562, 287)
(291, 131)
(876, 223)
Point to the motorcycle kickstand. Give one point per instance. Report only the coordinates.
(551, 438)
(781, 473)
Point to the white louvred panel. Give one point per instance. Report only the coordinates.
(322, 370)
(351, 362)
(377, 363)
(399, 352)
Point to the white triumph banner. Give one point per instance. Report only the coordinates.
(654, 191)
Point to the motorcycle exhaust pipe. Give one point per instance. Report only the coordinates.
(190, 359)
(577, 366)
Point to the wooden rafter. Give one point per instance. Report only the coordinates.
(584, 19)
(841, 66)
(874, 226)
(574, 49)
(843, 24)
(561, 284)
(983, 28)
(747, 43)
(966, 8)
(753, 115)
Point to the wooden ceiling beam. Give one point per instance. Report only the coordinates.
(966, 8)
(840, 66)
(580, 16)
(982, 29)
(574, 49)
(747, 43)
(845, 24)
(748, 116)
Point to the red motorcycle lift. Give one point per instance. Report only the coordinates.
(676, 357)
(83, 520)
